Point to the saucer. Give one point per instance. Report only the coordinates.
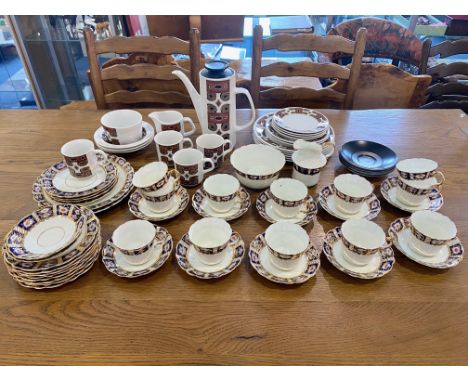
(188, 260)
(432, 202)
(146, 139)
(368, 156)
(370, 208)
(202, 207)
(267, 211)
(450, 256)
(116, 263)
(306, 268)
(140, 209)
(379, 266)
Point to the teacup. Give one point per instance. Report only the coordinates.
(210, 237)
(151, 177)
(221, 190)
(191, 165)
(307, 166)
(286, 242)
(168, 143)
(288, 196)
(351, 192)
(430, 232)
(161, 201)
(123, 126)
(419, 169)
(135, 239)
(172, 120)
(362, 239)
(409, 195)
(80, 157)
(214, 146)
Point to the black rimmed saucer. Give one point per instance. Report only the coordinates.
(368, 158)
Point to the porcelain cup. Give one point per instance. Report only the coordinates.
(151, 177)
(135, 239)
(215, 147)
(419, 169)
(307, 166)
(172, 120)
(210, 237)
(192, 166)
(123, 126)
(286, 242)
(430, 232)
(168, 143)
(221, 190)
(351, 192)
(80, 157)
(362, 239)
(412, 194)
(288, 196)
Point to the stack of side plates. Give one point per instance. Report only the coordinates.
(101, 140)
(52, 246)
(367, 158)
(282, 128)
(108, 187)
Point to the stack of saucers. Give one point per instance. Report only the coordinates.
(282, 128)
(52, 246)
(102, 141)
(111, 183)
(367, 158)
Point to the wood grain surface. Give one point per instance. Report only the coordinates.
(413, 315)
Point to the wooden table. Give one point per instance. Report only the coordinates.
(414, 315)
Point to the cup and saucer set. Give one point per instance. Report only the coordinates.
(210, 249)
(350, 196)
(428, 238)
(85, 176)
(137, 248)
(284, 254)
(416, 186)
(360, 249)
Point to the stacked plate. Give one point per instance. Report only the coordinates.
(108, 187)
(282, 128)
(102, 141)
(367, 158)
(52, 246)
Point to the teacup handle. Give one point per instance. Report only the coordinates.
(328, 144)
(230, 147)
(441, 177)
(211, 165)
(189, 141)
(190, 122)
(176, 175)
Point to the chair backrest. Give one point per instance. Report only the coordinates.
(385, 39)
(144, 77)
(446, 89)
(384, 86)
(301, 96)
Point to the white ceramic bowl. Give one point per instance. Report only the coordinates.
(257, 165)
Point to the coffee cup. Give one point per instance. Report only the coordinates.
(430, 232)
(135, 239)
(210, 237)
(122, 126)
(215, 147)
(221, 191)
(288, 196)
(80, 157)
(172, 120)
(351, 192)
(191, 165)
(286, 243)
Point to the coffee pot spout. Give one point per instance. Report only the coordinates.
(194, 95)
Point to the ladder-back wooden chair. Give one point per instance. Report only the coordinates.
(449, 87)
(144, 77)
(302, 96)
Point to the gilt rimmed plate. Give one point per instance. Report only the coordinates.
(187, 258)
(379, 266)
(267, 211)
(115, 263)
(370, 208)
(202, 207)
(450, 256)
(300, 120)
(140, 209)
(432, 202)
(306, 268)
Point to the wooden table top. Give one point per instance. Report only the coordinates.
(413, 315)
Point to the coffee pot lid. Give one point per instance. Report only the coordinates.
(217, 69)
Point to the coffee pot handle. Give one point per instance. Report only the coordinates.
(252, 108)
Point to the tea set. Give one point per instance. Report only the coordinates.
(61, 241)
